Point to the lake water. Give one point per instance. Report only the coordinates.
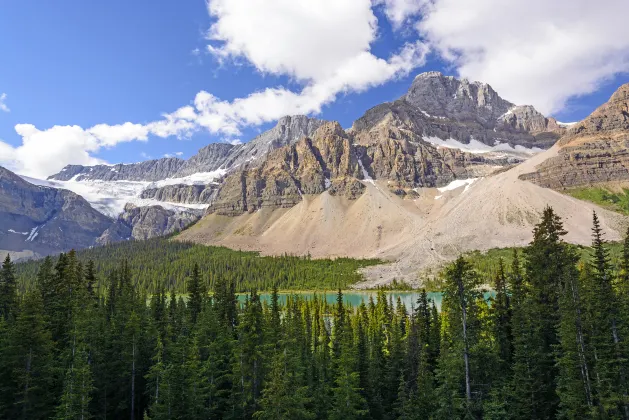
(355, 298)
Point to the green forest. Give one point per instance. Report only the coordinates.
(162, 262)
(551, 343)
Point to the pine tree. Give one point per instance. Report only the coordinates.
(348, 403)
(605, 340)
(284, 397)
(30, 354)
(196, 294)
(547, 261)
(456, 363)
(501, 313)
(8, 286)
(248, 370)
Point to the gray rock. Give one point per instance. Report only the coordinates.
(208, 159)
(445, 107)
(154, 221)
(45, 220)
(150, 170)
(181, 193)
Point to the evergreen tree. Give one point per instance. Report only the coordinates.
(30, 353)
(196, 294)
(8, 286)
(456, 363)
(284, 397)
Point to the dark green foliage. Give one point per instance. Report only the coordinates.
(161, 261)
(85, 340)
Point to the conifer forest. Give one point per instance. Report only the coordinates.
(92, 336)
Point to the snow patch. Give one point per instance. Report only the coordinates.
(34, 233)
(19, 233)
(475, 146)
(366, 176)
(566, 125)
(328, 183)
(457, 183)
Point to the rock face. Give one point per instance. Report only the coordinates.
(45, 220)
(596, 150)
(150, 170)
(208, 159)
(181, 193)
(447, 108)
(309, 166)
(336, 161)
(150, 222)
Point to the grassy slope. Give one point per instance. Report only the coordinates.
(617, 201)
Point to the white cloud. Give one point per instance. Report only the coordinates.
(233, 142)
(537, 52)
(324, 45)
(169, 155)
(399, 11)
(3, 105)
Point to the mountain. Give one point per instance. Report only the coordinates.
(214, 157)
(150, 170)
(441, 108)
(399, 184)
(594, 151)
(39, 220)
(441, 174)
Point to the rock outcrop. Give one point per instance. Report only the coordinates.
(309, 166)
(154, 221)
(594, 151)
(182, 193)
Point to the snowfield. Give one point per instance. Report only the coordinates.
(110, 197)
(475, 146)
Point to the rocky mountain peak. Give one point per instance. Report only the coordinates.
(448, 97)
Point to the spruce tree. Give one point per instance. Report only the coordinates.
(8, 289)
(196, 294)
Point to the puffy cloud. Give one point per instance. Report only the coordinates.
(324, 45)
(537, 52)
(304, 38)
(3, 105)
(400, 11)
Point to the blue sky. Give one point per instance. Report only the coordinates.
(78, 64)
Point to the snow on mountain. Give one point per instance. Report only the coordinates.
(110, 197)
(475, 146)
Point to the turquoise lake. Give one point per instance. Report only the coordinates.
(409, 299)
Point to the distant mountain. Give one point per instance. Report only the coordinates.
(211, 158)
(39, 220)
(398, 177)
(593, 151)
(150, 170)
